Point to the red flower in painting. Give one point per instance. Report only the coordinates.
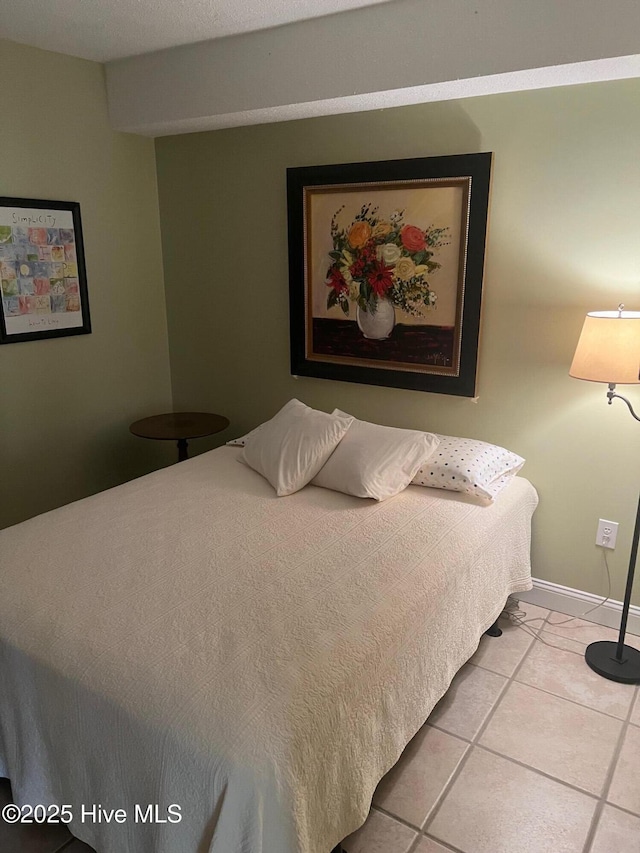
(335, 279)
(380, 278)
(412, 238)
(369, 252)
(357, 268)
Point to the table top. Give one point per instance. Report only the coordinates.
(177, 425)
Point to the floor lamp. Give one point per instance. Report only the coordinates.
(609, 351)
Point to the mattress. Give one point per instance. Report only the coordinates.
(190, 640)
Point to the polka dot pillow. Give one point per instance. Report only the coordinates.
(469, 466)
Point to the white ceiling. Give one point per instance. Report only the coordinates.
(111, 29)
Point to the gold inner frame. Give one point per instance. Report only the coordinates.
(418, 183)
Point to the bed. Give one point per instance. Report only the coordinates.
(188, 639)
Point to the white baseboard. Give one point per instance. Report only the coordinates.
(574, 602)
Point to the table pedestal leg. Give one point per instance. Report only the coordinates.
(182, 449)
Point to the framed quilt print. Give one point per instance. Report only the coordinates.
(42, 270)
(385, 271)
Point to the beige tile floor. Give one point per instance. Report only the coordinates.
(529, 752)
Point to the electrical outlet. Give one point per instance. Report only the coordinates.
(607, 533)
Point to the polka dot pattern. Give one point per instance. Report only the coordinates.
(469, 466)
(242, 440)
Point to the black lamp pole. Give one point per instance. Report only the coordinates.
(616, 661)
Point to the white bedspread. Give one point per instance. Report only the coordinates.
(188, 638)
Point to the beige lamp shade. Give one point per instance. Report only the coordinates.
(609, 348)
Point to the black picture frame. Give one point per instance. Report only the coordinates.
(330, 348)
(43, 279)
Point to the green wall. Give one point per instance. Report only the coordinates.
(563, 239)
(65, 404)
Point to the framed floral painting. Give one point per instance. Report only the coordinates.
(42, 272)
(385, 271)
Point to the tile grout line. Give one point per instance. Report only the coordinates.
(473, 742)
(414, 845)
(559, 648)
(548, 693)
(467, 751)
(446, 846)
(573, 701)
(451, 734)
(397, 818)
(602, 801)
(469, 743)
(543, 773)
(622, 809)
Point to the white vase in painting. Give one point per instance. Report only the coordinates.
(379, 325)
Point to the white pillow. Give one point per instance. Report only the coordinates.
(374, 461)
(292, 447)
(469, 466)
(242, 440)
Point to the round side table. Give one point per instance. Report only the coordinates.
(179, 426)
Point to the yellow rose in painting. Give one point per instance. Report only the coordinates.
(381, 230)
(359, 234)
(405, 269)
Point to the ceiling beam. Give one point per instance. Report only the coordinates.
(403, 52)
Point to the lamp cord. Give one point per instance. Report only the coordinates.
(516, 615)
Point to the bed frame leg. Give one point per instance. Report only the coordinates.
(494, 630)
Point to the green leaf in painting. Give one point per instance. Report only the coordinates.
(332, 298)
(365, 291)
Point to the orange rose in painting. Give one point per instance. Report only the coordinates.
(359, 234)
(412, 238)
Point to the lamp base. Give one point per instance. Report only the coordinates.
(601, 657)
